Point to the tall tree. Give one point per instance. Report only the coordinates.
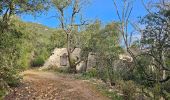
(155, 35)
(156, 39)
(69, 23)
(104, 44)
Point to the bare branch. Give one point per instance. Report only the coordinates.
(117, 11)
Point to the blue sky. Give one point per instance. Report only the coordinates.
(97, 9)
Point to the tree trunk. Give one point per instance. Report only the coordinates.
(85, 69)
(164, 64)
(72, 68)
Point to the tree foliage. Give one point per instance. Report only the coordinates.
(104, 43)
(155, 44)
(24, 45)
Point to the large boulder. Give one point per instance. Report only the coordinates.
(81, 67)
(91, 63)
(59, 58)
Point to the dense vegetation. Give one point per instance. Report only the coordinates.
(24, 45)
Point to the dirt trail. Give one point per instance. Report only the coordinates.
(39, 85)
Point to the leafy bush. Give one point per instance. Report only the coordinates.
(156, 90)
(39, 61)
(10, 75)
(129, 89)
(166, 86)
(102, 74)
(2, 93)
(62, 69)
(23, 61)
(91, 73)
(106, 91)
(3, 88)
(19, 45)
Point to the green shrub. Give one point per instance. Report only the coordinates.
(10, 76)
(166, 95)
(129, 89)
(157, 91)
(103, 74)
(2, 93)
(39, 61)
(3, 88)
(62, 70)
(166, 86)
(105, 91)
(92, 73)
